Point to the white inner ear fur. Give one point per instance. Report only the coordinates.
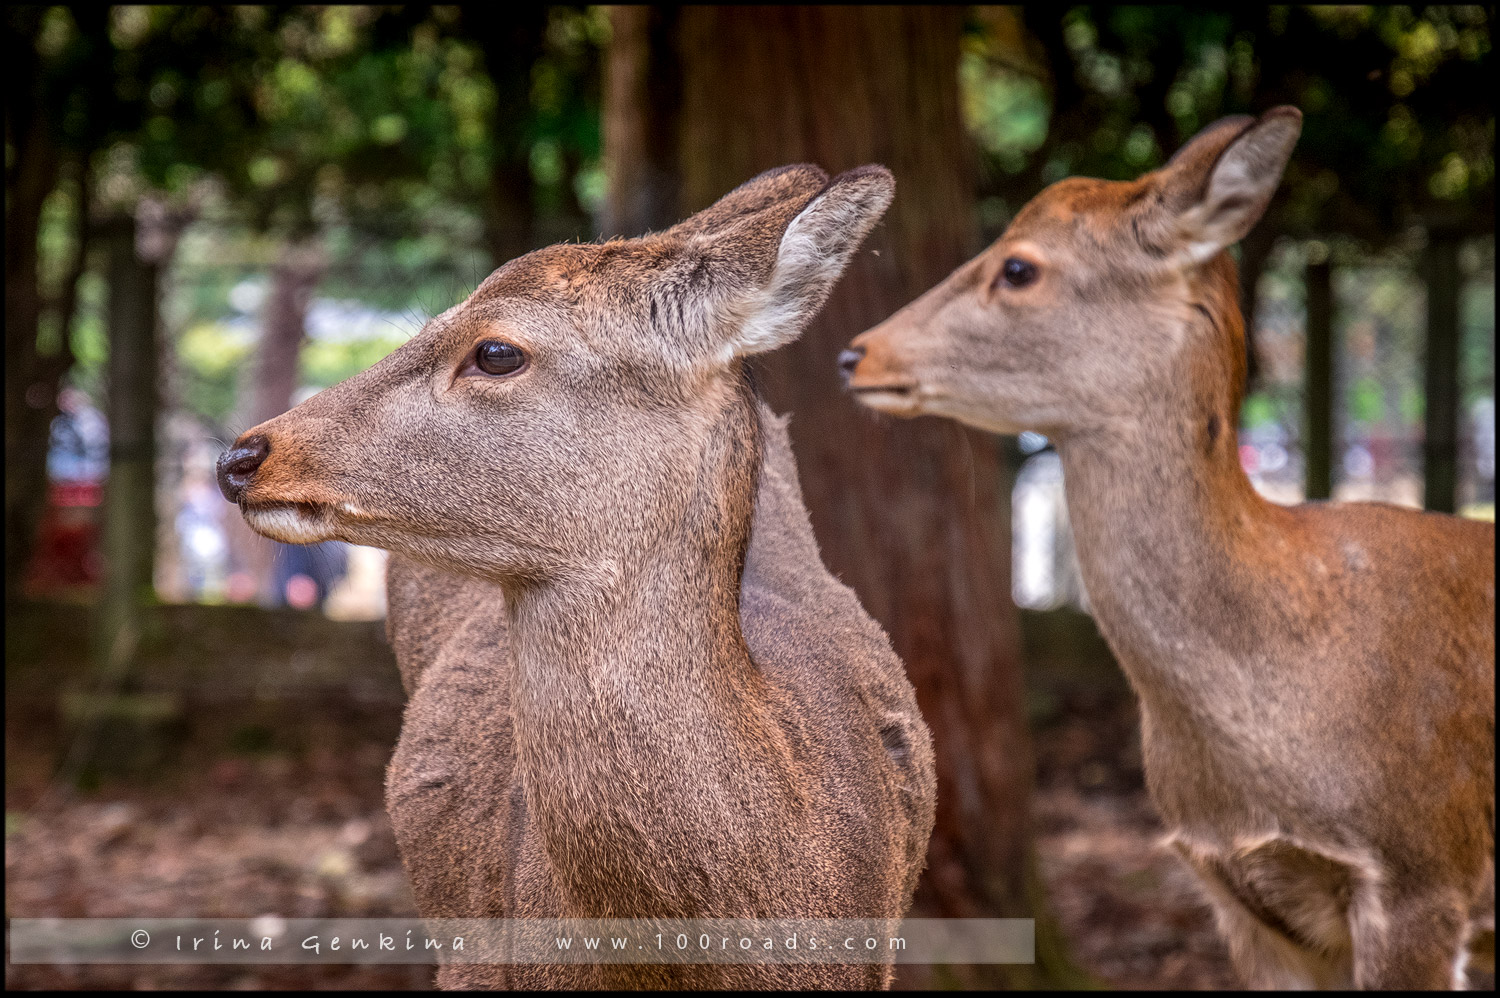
(814, 251)
(1231, 205)
(1237, 192)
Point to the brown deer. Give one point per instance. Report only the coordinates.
(634, 690)
(1316, 682)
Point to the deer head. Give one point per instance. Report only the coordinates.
(1083, 309)
(563, 412)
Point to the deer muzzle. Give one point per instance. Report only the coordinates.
(874, 374)
(274, 501)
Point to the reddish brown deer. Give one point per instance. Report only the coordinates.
(1316, 682)
(635, 691)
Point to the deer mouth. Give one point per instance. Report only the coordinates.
(291, 522)
(898, 398)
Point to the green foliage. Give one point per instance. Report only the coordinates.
(1366, 403)
(1259, 410)
(327, 362)
(210, 359)
(1397, 127)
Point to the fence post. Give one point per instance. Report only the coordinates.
(1440, 439)
(1318, 385)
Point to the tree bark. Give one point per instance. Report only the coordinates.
(1440, 440)
(912, 515)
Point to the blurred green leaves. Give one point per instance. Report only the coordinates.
(1397, 129)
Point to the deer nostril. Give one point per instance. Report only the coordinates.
(237, 466)
(849, 360)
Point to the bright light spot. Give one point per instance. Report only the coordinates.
(301, 591)
(247, 296)
(205, 541)
(1359, 462)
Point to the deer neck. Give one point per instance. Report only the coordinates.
(1165, 521)
(643, 729)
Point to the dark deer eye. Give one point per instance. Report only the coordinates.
(1017, 273)
(498, 357)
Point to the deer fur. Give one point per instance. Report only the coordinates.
(634, 689)
(1316, 682)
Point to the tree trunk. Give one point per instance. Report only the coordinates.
(129, 513)
(284, 328)
(31, 378)
(30, 390)
(912, 514)
(1440, 441)
(276, 374)
(641, 99)
(512, 38)
(1318, 387)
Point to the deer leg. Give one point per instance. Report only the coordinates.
(1481, 938)
(1418, 944)
(1266, 953)
(1267, 959)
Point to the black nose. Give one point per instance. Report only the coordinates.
(237, 465)
(849, 360)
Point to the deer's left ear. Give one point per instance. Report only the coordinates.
(1219, 184)
(748, 273)
(813, 252)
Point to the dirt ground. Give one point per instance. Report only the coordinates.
(264, 796)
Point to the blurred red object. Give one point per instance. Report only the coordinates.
(67, 544)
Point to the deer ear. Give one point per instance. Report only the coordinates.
(812, 253)
(1220, 183)
(774, 194)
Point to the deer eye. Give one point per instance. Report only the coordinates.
(499, 358)
(1017, 273)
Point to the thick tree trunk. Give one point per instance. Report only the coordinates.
(642, 97)
(32, 379)
(1319, 386)
(1440, 441)
(912, 515)
(511, 38)
(30, 387)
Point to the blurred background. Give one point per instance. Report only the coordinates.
(214, 212)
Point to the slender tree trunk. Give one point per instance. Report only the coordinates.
(284, 328)
(130, 493)
(1318, 391)
(911, 514)
(1440, 440)
(276, 375)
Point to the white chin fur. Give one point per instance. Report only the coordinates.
(895, 403)
(288, 524)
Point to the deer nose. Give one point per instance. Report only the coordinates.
(849, 360)
(237, 466)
